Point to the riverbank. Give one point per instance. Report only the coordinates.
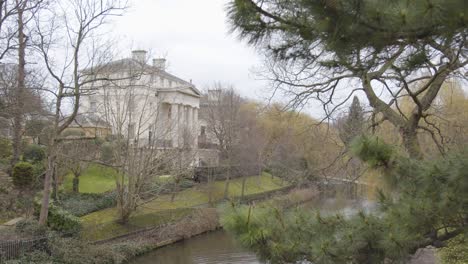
(169, 208)
(200, 221)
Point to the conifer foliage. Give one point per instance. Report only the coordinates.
(353, 125)
(431, 207)
(384, 48)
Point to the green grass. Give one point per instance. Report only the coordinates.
(103, 230)
(95, 179)
(102, 224)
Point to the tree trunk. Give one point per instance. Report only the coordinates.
(47, 182)
(19, 104)
(244, 179)
(411, 143)
(226, 185)
(76, 184)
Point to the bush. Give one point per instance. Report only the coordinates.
(34, 153)
(107, 152)
(23, 175)
(456, 251)
(186, 183)
(30, 228)
(80, 204)
(6, 149)
(75, 251)
(61, 220)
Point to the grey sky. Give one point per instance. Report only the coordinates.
(193, 36)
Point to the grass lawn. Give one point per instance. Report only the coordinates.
(96, 179)
(164, 208)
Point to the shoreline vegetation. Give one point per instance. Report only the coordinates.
(161, 221)
(204, 220)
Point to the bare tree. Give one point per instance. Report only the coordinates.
(70, 30)
(76, 154)
(144, 146)
(13, 17)
(223, 120)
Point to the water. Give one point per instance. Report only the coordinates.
(211, 248)
(219, 247)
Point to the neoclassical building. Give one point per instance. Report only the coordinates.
(145, 103)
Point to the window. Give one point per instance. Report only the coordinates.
(169, 112)
(203, 130)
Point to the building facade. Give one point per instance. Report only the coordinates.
(143, 102)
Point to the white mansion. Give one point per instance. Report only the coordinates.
(148, 105)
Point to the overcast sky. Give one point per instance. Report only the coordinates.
(193, 36)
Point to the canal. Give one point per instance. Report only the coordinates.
(219, 247)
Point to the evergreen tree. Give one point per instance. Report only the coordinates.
(318, 46)
(353, 125)
(430, 208)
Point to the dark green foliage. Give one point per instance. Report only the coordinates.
(6, 148)
(353, 125)
(23, 175)
(30, 227)
(61, 220)
(373, 151)
(34, 153)
(80, 204)
(344, 25)
(430, 207)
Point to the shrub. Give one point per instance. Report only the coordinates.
(34, 153)
(456, 251)
(23, 175)
(186, 183)
(5, 148)
(75, 251)
(80, 204)
(107, 152)
(60, 220)
(30, 228)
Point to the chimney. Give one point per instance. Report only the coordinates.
(160, 64)
(139, 55)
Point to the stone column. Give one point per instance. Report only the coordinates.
(190, 122)
(195, 126)
(175, 125)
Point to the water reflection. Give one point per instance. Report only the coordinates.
(220, 247)
(211, 248)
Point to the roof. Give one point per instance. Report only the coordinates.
(89, 120)
(135, 65)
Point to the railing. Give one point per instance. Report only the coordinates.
(14, 248)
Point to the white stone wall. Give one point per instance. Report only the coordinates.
(152, 104)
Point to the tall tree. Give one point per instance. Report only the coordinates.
(223, 119)
(20, 89)
(314, 48)
(73, 27)
(353, 123)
